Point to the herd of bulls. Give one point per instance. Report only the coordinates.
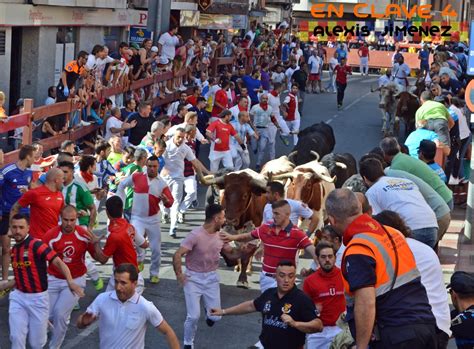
(309, 173)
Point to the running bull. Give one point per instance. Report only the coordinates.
(243, 197)
(316, 140)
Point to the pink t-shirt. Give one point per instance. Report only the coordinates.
(205, 250)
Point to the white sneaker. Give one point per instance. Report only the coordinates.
(85, 123)
(168, 92)
(180, 217)
(182, 88)
(453, 180)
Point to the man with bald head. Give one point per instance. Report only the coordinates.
(70, 242)
(281, 241)
(380, 272)
(45, 203)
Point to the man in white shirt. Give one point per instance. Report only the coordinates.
(401, 72)
(242, 105)
(289, 72)
(332, 76)
(278, 75)
(262, 114)
(168, 42)
(427, 263)
(274, 101)
(173, 108)
(402, 196)
(276, 192)
(190, 118)
(173, 171)
(241, 157)
(148, 190)
(314, 78)
(123, 314)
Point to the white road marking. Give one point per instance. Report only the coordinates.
(357, 100)
(81, 336)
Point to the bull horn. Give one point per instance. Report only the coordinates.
(258, 184)
(210, 179)
(341, 165)
(315, 154)
(325, 178)
(283, 176)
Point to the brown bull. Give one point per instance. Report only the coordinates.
(243, 199)
(310, 184)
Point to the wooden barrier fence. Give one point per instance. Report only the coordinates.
(30, 114)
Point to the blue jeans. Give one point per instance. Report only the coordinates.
(428, 236)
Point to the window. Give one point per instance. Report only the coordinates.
(2, 42)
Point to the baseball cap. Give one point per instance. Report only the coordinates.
(462, 282)
(134, 46)
(154, 49)
(163, 60)
(427, 147)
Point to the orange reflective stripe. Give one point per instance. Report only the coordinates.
(382, 249)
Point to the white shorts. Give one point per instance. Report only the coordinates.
(322, 340)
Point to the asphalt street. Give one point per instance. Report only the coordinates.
(357, 130)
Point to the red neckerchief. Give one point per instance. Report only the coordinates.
(264, 106)
(88, 177)
(362, 224)
(274, 93)
(292, 95)
(242, 108)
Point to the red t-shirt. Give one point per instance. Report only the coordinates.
(223, 132)
(192, 100)
(341, 73)
(45, 207)
(71, 248)
(283, 246)
(222, 99)
(327, 289)
(119, 244)
(364, 51)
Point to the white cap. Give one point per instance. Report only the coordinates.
(154, 49)
(163, 60)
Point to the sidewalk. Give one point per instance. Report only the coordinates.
(453, 254)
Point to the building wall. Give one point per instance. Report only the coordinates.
(5, 64)
(88, 37)
(37, 62)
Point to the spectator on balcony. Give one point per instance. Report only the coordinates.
(130, 107)
(144, 121)
(179, 117)
(173, 108)
(167, 48)
(121, 49)
(69, 76)
(115, 125)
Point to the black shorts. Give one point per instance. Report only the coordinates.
(5, 224)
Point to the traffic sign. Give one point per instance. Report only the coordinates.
(470, 67)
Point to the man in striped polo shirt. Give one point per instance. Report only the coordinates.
(148, 190)
(29, 302)
(281, 241)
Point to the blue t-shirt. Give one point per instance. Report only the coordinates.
(285, 53)
(439, 171)
(161, 163)
(252, 84)
(341, 53)
(414, 139)
(424, 57)
(12, 179)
